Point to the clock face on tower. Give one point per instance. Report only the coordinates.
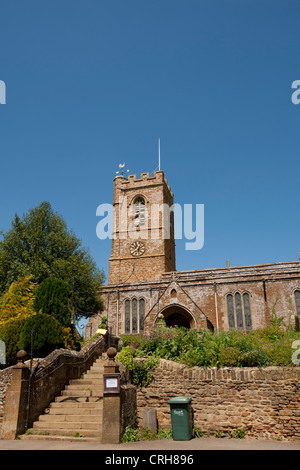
(137, 248)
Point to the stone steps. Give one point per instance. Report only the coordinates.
(76, 412)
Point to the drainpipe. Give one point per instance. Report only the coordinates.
(216, 306)
(118, 296)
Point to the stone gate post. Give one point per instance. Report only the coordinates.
(15, 406)
(111, 421)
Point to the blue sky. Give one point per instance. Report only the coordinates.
(91, 84)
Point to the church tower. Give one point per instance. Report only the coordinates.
(143, 245)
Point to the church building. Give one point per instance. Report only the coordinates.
(144, 286)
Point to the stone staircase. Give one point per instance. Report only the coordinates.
(76, 413)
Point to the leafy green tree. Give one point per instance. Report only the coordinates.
(54, 297)
(40, 244)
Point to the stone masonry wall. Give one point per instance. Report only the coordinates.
(263, 402)
(5, 378)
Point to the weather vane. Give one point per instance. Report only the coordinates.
(121, 166)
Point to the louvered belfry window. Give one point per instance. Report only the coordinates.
(139, 211)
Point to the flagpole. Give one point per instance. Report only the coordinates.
(159, 153)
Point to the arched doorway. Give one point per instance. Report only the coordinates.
(176, 315)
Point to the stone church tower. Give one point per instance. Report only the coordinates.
(143, 244)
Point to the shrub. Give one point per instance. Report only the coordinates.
(230, 357)
(10, 334)
(17, 302)
(137, 341)
(130, 435)
(254, 358)
(140, 370)
(103, 324)
(53, 297)
(69, 339)
(47, 335)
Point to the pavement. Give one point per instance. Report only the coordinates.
(155, 446)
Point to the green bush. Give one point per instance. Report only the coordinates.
(230, 357)
(10, 334)
(53, 297)
(47, 335)
(254, 358)
(140, 370)
(130, 435)
(136, 341)
(103, 324)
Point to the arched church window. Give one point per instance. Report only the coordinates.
(239, 311)
(247, 311)
(139, 211)
(134, 316)
(297, 301)
(127, 316)
(230, 309)
(142, 314)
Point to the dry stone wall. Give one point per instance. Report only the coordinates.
(263, 402)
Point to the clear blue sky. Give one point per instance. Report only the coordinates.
(91, 84)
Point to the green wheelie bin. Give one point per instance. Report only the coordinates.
(181, 418)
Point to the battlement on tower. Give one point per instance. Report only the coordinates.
(132, 182)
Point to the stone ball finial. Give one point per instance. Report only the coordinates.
(111, 353)
(21, 355)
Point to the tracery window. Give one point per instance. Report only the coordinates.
(239, 311)
(134, 316)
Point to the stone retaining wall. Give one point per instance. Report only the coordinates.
(264, 402)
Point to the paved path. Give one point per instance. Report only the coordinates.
(155, 446)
